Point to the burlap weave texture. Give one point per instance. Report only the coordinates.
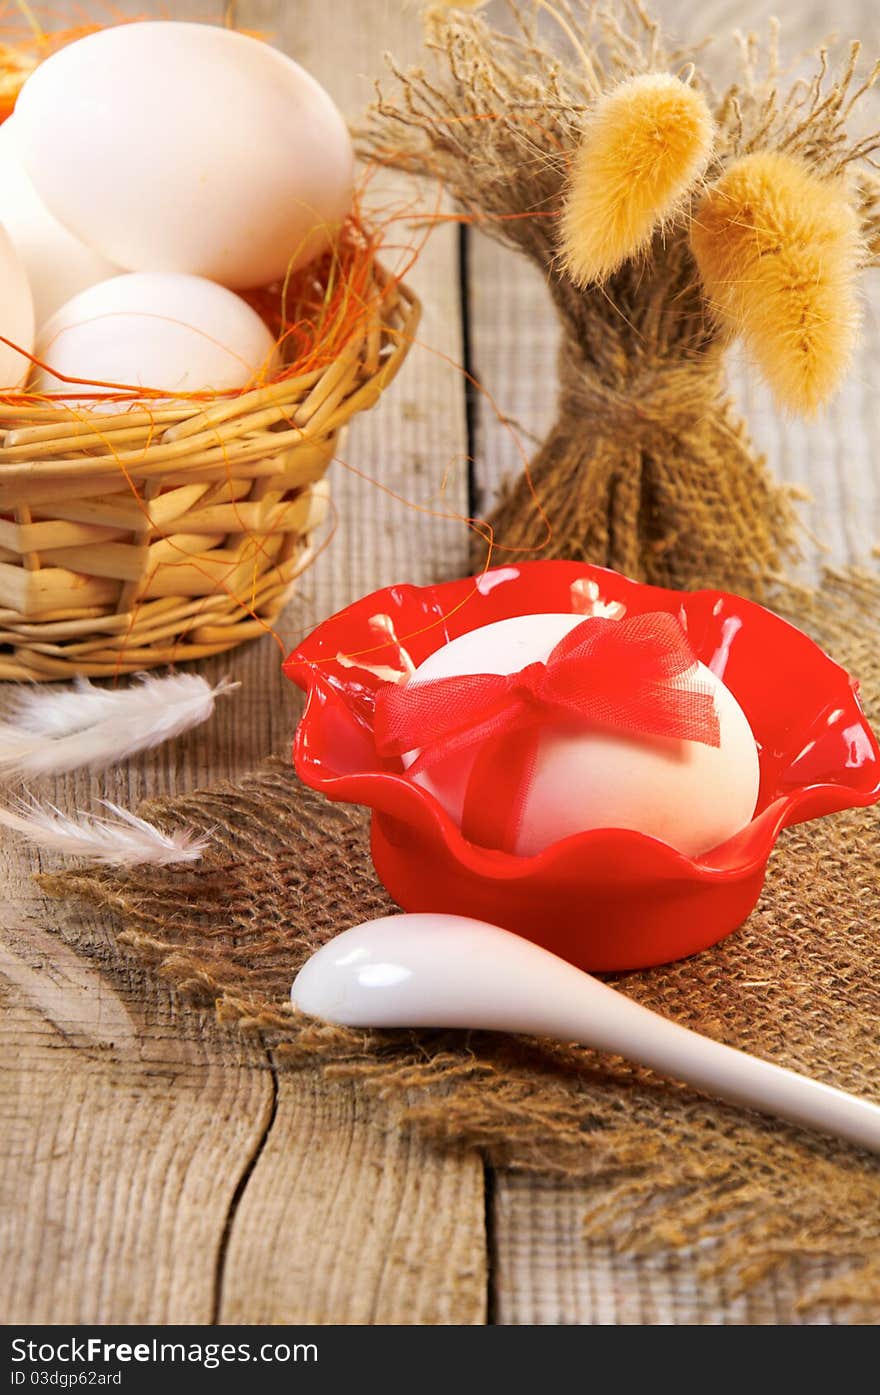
(798, 984)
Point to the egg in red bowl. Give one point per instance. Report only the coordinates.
(605, 898)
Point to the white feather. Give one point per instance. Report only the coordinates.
(123, 841)
(50, 731)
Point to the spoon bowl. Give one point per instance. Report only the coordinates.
(425, 970)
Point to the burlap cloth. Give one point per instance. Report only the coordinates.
(798, 984)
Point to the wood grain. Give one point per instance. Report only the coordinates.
(154, 1167)
(365, 1220)
(547, 1273)
(360, 1252)
(114, 1111)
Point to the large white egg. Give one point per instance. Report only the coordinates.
(684, 793)
(16, 315)
(157, 330)
(57, 264)
(187, 147)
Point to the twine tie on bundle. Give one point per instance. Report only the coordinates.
(622, 675)
(659, 402)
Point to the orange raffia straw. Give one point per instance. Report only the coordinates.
(25, 40)
(15, 68)
(314, 316)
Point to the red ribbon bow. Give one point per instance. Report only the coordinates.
(623, 675)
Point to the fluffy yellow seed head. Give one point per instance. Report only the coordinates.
(779, 249)
(647, 143)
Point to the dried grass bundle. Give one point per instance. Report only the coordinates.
(645, 469)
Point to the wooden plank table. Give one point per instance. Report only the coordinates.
(159, 1170)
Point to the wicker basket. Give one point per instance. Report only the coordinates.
(173, 534)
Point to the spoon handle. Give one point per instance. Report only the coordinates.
(425, 970)
(616, 1023)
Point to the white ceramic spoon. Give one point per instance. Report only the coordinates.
(448, 971)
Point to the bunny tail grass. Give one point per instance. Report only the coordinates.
(122, 841)
(779, 249)
(49, 731)
(646, 144)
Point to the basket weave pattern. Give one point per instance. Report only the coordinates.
(161, 535)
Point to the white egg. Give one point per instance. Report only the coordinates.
(155, 330)
(16, 315)
(57, 264)
(187, 147)
(687, 794)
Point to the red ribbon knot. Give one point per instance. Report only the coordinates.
(636, 676)
(527, 686)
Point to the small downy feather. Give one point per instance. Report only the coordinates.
(779, 250)
(121, 841)
(647, 143)
(50, 732)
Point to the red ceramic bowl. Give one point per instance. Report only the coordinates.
(610, 898)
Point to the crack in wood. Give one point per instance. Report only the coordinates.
(471, 391)
(238, 1194)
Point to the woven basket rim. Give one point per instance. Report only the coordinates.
(148, 542)
(41, 441)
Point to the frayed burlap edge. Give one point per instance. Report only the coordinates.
(798, 984)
